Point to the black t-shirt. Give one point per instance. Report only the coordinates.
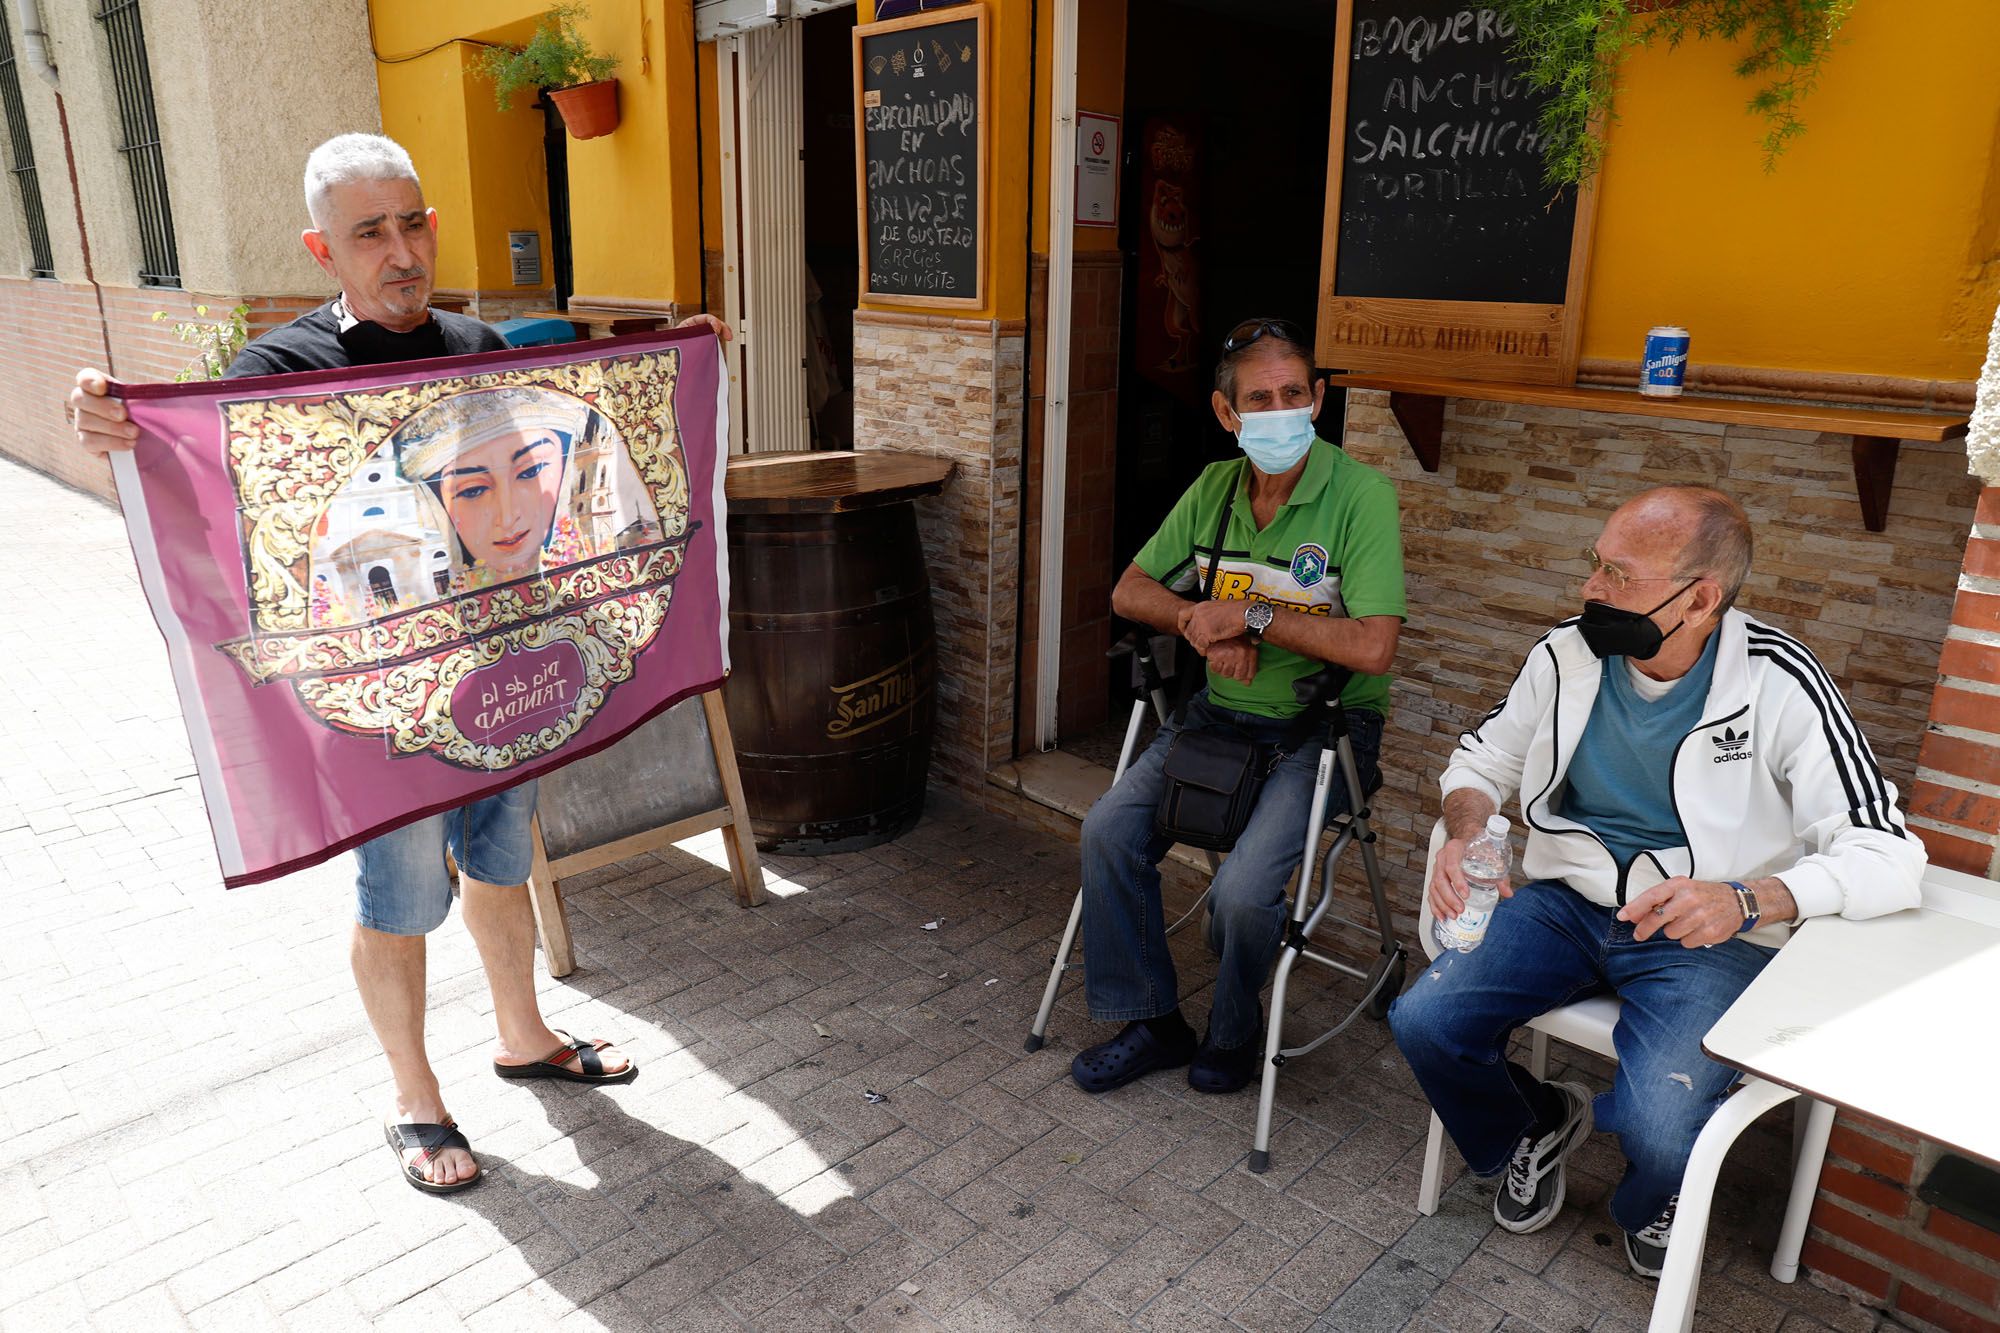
(314, 341)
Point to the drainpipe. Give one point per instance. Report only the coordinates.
(34, 41)
(35, 49)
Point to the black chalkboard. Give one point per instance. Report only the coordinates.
(1441, 194)
(920, 133)
(660, 774)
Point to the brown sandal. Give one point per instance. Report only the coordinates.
(576, 1061)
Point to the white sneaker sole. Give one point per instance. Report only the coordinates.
(1578, 1133)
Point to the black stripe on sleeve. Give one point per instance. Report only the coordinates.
(1861, 777)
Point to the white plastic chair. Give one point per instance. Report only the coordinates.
(1589, 1024)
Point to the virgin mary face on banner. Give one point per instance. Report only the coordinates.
(473, 491)
(497, 461)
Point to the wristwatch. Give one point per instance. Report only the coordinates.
(1257, 617)
(1746, 899)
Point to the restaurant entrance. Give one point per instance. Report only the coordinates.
(1223, 194)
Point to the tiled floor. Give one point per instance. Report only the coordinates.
(190, 1122)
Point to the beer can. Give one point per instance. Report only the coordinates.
(1665, 362)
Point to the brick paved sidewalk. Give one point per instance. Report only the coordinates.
(189, 1134)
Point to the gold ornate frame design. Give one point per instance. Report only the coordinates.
(394, 676)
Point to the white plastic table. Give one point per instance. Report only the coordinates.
(1886, 1017)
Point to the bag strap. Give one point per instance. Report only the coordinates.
(1221, 535)
(1187, 689)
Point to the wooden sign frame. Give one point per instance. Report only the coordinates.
(1479, 319)
(545, 880)
(983, 239)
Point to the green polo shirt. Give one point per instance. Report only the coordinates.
(1335, 548)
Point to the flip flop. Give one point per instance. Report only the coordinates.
(575, 1061)
(429, 1140)
(1133, 1052)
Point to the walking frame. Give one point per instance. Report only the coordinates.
(1382, 978)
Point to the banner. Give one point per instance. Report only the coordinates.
(392, 590)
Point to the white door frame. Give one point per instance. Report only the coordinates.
(726, 50)
(1055, 370)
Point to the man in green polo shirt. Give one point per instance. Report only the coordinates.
(1309, 571)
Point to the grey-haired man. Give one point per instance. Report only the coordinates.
(373, 234)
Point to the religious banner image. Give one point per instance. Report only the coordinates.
(387, 592)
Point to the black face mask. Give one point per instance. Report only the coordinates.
(1612, 631)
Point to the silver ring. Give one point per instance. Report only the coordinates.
(1660, 911)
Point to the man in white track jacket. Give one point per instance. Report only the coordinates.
(1693, 785)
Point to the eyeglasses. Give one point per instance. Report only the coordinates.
(1616, 576)
(1250, 330)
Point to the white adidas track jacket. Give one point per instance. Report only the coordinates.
(1776, 780)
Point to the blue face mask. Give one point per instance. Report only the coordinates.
(1276, 441)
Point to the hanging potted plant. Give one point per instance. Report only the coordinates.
(1572, 50)
(558, 60)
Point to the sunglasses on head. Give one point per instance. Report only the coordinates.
(1250, 330)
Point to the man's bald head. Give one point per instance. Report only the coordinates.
(1706, 530)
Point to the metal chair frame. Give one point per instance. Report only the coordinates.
(1310, 911)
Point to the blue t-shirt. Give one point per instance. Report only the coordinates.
(1620, 779)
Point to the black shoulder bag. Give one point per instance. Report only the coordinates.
(1213, 776)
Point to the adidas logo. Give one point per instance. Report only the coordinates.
(1731, 745)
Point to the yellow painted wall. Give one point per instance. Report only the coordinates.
(634, 216)
(1008, 162)
(433, 129)
(1874, 248)
(1100, 87)
(711, 154)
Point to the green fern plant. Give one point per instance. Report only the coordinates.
(1572, 50)
(557, 56)
(216, 342)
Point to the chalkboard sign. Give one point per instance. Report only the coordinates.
(658, 775)
(669, 779)
(1446, 253)
(920, 157)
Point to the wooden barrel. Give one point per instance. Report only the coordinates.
(833, 656)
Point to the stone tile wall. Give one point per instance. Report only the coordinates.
(956, 389)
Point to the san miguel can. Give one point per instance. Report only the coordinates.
(1665, 365)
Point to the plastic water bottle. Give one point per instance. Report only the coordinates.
(1485, 867)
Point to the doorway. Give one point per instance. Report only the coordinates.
(791, 265)
(1223, 195)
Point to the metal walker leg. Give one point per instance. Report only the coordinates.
(1156, 697)
(1383, 979)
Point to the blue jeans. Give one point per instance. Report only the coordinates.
(1127, 971)
(1548, 946)
(400, 883)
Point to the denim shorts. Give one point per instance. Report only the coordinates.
(401, 886)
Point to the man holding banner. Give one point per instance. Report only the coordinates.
(497, 466)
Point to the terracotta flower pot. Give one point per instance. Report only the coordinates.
(1649, 6)
(588, 109)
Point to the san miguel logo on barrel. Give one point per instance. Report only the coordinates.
(882, 697)
(465, 567)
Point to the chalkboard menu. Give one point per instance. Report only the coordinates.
(920, 157)
(1446, 253)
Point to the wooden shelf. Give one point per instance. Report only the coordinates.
(1876, 436)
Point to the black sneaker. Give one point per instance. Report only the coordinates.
(1532, 1192)
(1646, 1248)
